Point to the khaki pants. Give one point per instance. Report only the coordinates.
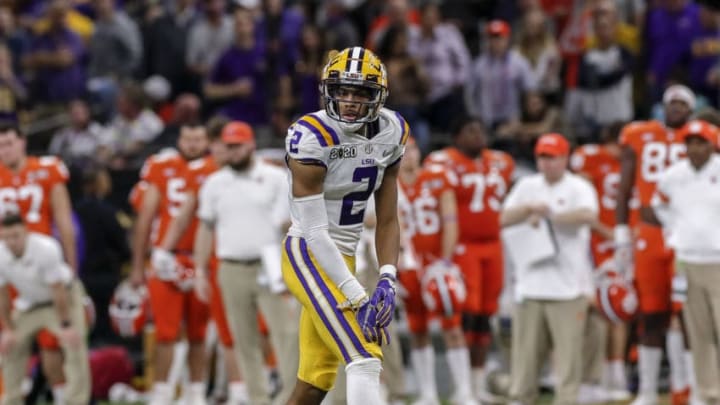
(702, 319)
(242, 297)
(76, 364)
(594, 347)
(537, 326)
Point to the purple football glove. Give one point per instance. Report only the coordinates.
(367, 319)
(383, 300)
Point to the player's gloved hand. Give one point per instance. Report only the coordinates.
(623, 255)
(383, 299)
(164, 265)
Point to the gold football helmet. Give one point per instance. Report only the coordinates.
(355, 67)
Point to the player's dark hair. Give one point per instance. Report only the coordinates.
(215, 126)
(12, 219)
(9, 126)
(458, 123)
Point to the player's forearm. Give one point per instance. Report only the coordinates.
(178, 225)
(387, 242)
(625, 188)
(515, 215)
(61, 302)
(67, 239)
(577, 217)
(203, 246)
(5, 319)
(450, 236)
(141, 236)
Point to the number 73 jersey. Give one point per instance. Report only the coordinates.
(480, 189)
(656, 147)
(28, 191)
(355, 167)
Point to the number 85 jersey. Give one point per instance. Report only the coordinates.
(656, 147)
(355, 167)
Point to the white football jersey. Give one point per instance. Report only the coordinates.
(355, 167)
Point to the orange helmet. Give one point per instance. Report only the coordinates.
(129, 309)
(616, 295)
(443, 289)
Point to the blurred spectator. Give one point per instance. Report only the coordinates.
(397, 13)
(280, 31)
(704, 53)
(115, 49)
(56, 59)
(308, 69)
(538, 117)
(604, 79)
(164, 43)
(498, 79)
(106, 247)
(12, 90)
(238, 79)
(209, 37)
(340, 32)
(669, 32)
(537, 44)
(77, 143)
(186, 111)
(132, 129)
(14, 37)
(408, 85)
(441, 51)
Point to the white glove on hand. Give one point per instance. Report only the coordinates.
(623, 256)
(164, 265)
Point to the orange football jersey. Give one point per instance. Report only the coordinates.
(169, 172)
(656, 147)
(602, 168)
(28, 191)
(425, 221)
(198, 171)
(480, 189)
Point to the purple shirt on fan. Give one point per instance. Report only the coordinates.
(668, 40)
(235, 64)
(704, 54)
(60, 84)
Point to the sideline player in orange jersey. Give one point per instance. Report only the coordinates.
(648, 148)
(600, 164)
(35, 188)
(206, 285)
(484, 177)
(172, 300)
(431, 224)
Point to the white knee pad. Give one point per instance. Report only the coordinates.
(370, 366)
(363, 382)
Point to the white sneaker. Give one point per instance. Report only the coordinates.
(592, 394)
(618, 394)
(645, 399)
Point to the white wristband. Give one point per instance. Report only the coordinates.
(388, 269)
(353, 291)
(621, 234)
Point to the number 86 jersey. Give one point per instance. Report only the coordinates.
(355, 167)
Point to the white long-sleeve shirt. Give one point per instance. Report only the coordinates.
(687, 202)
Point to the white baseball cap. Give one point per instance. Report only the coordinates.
(679, 92)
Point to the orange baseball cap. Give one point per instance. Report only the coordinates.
(700, 128)
(237, 132)
(552, 144)
(499, 28)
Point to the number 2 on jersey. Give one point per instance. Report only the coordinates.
(347, 217)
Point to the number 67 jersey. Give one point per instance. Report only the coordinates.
(355, 167)
(28, 191)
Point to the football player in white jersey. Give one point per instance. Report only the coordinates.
(339, 157)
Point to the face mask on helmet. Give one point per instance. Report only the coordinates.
(354, 87)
